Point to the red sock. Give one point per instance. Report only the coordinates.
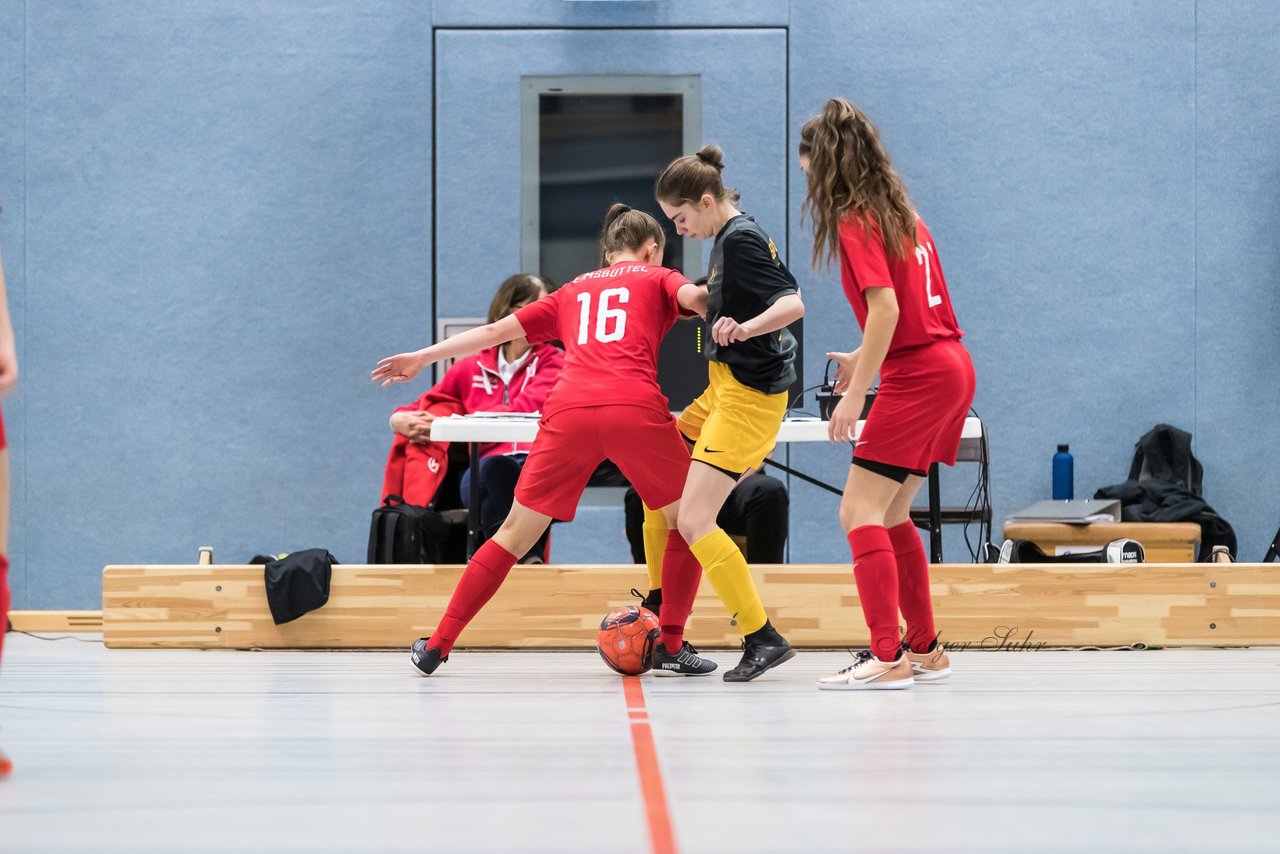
(480, 580)
(4, 600)
(681, 574)
(876, 573)
(913, 586)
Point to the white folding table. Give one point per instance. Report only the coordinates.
(483, 428)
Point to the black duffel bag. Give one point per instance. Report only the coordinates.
(406, 533)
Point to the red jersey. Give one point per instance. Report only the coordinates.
(925, 314)
(611, 322)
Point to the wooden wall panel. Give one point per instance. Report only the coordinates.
(977, 605)
(56, 621)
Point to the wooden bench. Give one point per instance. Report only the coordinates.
(813, 605)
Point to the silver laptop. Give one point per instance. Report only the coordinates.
(1081, 511)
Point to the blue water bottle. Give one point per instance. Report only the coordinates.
(1064, 474)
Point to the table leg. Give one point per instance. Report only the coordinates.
(473, 501)
(935, 516)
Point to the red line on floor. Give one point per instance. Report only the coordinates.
(655, 795)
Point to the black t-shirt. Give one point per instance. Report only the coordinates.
(746, 278)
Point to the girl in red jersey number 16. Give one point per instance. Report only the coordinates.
(891, 275)
(605, 405)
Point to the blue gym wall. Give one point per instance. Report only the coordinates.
(218, 215)
(226, 214)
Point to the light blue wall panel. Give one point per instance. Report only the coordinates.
(1237, 305)
(229, 220)
(610, 13)
(13, 254)
(1050, 149)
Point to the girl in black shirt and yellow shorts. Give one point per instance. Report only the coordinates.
(734, 424)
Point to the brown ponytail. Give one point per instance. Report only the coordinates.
(850, 173)
(687, 179)
(627, 229)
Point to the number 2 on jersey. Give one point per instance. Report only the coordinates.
(604, 314)
(922, 256)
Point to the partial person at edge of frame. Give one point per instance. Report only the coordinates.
(8, 383)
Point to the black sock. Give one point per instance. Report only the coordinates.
(766, 635)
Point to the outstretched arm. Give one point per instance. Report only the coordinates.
(405, 366)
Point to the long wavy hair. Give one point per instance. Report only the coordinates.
(850, 175)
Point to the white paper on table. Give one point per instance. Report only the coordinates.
(522, 415)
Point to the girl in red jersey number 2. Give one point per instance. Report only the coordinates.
(891, 275)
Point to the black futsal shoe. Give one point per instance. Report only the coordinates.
(686, 662)
(761, 650)
(425, 659)
(651, 602)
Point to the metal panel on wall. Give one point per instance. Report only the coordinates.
(478, 137)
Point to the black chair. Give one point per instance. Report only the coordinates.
(449, 504)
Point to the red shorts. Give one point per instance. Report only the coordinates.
(642, 442)
(920, 407)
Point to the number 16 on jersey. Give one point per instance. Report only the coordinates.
(606, 316)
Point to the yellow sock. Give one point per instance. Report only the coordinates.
(655, 544)
(726, 569)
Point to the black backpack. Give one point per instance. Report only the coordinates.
(406, 533)
(1165, 485)
(1164, 453)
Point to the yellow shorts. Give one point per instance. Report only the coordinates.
(734, 427)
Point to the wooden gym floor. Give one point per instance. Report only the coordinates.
(188, 750)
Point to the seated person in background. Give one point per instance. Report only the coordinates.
(758, 509)
(514, 377)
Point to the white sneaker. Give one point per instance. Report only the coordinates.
(868, 673)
